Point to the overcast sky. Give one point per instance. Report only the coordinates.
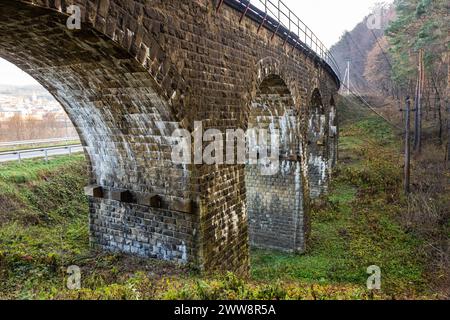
(11, 75)
(328, 19)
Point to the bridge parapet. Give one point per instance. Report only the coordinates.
(277, 17)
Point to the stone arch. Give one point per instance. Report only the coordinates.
(133, 27)
(275, 198)
(270, 66)
(317, 145)
(124, 107)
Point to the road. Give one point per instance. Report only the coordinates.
(35, 142)
(38, 153)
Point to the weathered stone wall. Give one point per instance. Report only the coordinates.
(142, 230)
(274, 199)
(318, 159)
(124, 120)
(333, 138)
(275, 207)
(136, 71)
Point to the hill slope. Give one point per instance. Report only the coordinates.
(355, 45)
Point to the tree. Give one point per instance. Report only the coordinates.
(421, 25)
(378, 70)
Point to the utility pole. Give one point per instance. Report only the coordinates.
(416, 118)
(348, 76)
(418, 105)
(407, 170)
(67, 128)
(421, 92)
(447, 101)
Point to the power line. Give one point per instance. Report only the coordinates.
(368, 105)
(357, 95)
(356, 46)
(363, 59)
(381, 48)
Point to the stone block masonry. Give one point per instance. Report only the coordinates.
(275, 208)
(145, 231)
(136, 71)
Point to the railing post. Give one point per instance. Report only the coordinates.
(219, 5)
(289, 20)
(19, 157)
(46, 155)
(279, 11)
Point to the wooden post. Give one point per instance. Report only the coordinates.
(447, 102)
(407, 171)
(416, 115)
(418, 105)
(421, 89)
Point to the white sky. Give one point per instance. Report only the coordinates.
(328, 19)
(11, 75)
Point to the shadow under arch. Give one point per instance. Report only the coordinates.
(317, 146)
(333, 135)
(275, 197)
(124, 121)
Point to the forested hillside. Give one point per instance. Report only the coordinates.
(356, 46)
(402, 72)
(406, 57)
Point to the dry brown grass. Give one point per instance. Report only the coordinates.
(427, 211)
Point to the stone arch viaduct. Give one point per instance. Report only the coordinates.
(139, 69)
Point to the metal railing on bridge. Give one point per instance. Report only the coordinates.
(277, 17)
(44, 152)
(40, 141)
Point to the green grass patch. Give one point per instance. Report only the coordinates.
(43, 222)
(34, 169)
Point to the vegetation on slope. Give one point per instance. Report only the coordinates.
(43, 222)
(357, 224)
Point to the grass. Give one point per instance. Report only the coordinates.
(43, 221)
(33, 170)
(44, 229)
(325, 260)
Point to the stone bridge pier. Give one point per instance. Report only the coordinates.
(139, 70)
(275, 197)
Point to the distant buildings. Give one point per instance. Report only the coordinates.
(32, 102)
(30, 112)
